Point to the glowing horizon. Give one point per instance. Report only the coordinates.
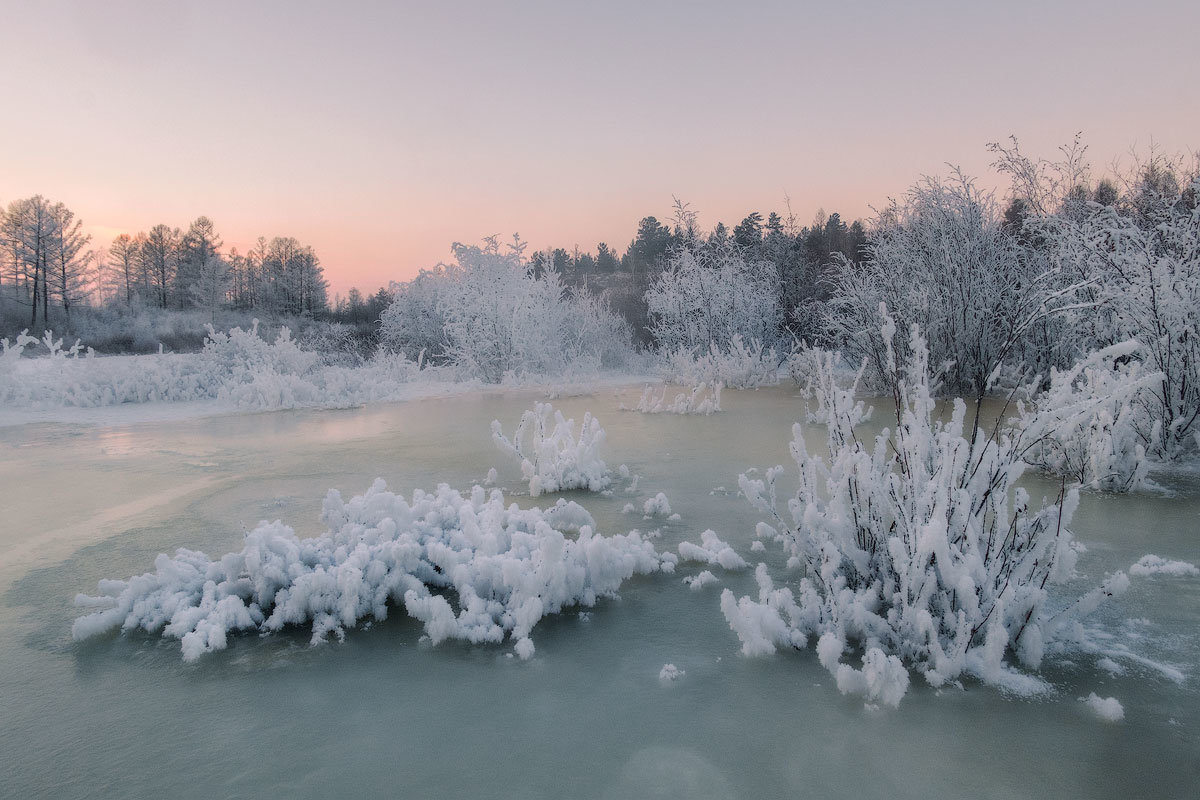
(380, 135)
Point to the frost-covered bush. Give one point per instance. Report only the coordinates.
(553, 459)
(467, 567)
(243, 354)
(704, 398)
(709, 293)
(491, 316)
(1143, 258)
(735, 363)
(915, 551)
(1096, 421)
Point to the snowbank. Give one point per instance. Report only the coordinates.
(466, 566)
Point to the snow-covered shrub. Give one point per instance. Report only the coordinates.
(709, 293)
(704, 398)
(243, 354)
(1095, 421)
(553, 459)
(11, 352)
(735, 363)
(916, 550)
(502, 569)
(334, 343)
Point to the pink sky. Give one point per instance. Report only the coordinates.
(380, 134)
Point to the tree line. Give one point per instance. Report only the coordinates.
(46, 266)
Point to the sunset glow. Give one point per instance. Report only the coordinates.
(381, 134)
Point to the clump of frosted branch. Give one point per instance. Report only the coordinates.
(704, 398)
(554, 459)
(1095, 421)
(735, 363)
(466, 566)
(917, 550)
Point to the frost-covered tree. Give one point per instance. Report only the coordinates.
(160, 250)
(70, 260)
(122, 263)
(709, 293)
(1137, 247)
(497, 317)
(1146, 264)
(211, 287)
(197, 249)
(413, 323)
(943, 260)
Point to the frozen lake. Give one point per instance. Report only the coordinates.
(384, 714)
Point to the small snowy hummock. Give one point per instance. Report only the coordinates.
(670, 673)
(502, 568)
(697, 582)
(1108, 709)
(712, 551)
(554, 460)
(1151, 564)
(656, 506)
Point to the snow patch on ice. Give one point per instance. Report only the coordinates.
(670, 673)
(1151, 564)
(712, 550)
(697, 582)
(1108, 709)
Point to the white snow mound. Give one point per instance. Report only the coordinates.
(711, 550)
(1151, 564)
(1108, 709)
